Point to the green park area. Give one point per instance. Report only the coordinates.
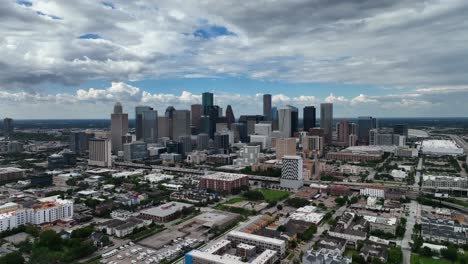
(274, 195)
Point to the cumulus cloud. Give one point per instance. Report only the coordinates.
(387, 43)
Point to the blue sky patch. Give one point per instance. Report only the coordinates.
(212, 31)
(108, 4)
(90, 36)
(24, 3)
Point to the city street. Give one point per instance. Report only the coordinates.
(414, 212)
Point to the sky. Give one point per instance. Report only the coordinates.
(388, 58)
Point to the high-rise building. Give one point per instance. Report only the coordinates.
(221, 142)
(139, 120)
(136, 150)
(207, 101)
(149, 126)
(274, 118)
(326, 121)
(186, 143)
(309, 117)
(291, 172)
(294, 120)
(163, 127)
(8, 128)
(202, 141)
(342, 131)
(181, 123)
(263, 129)
(267, 107)
(196, 111)
(230, 119)
(365, 124)
(213, 114)
(100, 152)
(313, 144)
(240, 132)
(284, 122)
(285, 147)
(79, 141)
(401, 129)
(119, 127)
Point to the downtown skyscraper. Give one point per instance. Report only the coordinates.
(146, 124)
(309, 117)
(267, 107)
(119, 127)
(326, 121)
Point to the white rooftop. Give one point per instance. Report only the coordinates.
(224, 176)
(441, 147)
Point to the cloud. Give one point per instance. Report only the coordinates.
(382, 43)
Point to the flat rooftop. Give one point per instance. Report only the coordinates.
(224, 176)
(166, 209)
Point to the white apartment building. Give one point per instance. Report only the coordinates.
(261, 242)
(291, 172)
(373, 192)
(47, 210)
(248, 156)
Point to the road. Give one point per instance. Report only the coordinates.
(417, 177)
(411, 220)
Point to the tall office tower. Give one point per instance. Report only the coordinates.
(313, 143)
(163, 127)
(365, 124)
(100, 152)
(181, 123)
(267, 107)
(230, 119)
(342, 131)
(207, 101)
(196, 111)
(274, 118)
(220, 111)
(250, 121)
(285, 147)
(401, 129)
(291, 172)
(294, 120)
(186, 142)
(352, 140)
(284, 122)
(205, 125)
(139, 120)
(213, 113)
(136, 150)
(119, 127)
(170, 112)
(202, 141)
(373, 137)
(7, 128)
(150, 126)
(353, 129)
(221, 142)
(79, 142)
(240, 132)
(326, 121)
(309, 117)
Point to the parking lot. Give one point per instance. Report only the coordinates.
(132, 253)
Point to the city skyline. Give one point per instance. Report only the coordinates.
(378, 59)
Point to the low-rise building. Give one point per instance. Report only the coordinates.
(165, 212)
(222, 181)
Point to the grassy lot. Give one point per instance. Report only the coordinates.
(274, 195)
(235, 200)
(415, 259)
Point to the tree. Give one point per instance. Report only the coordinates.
(279, 207)
(297, 202)
(395, 256)
(253, 195)
(281, 228)
(450, 253)
(12, 258)
(341, 201)
(51, 240)
(426, 252)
